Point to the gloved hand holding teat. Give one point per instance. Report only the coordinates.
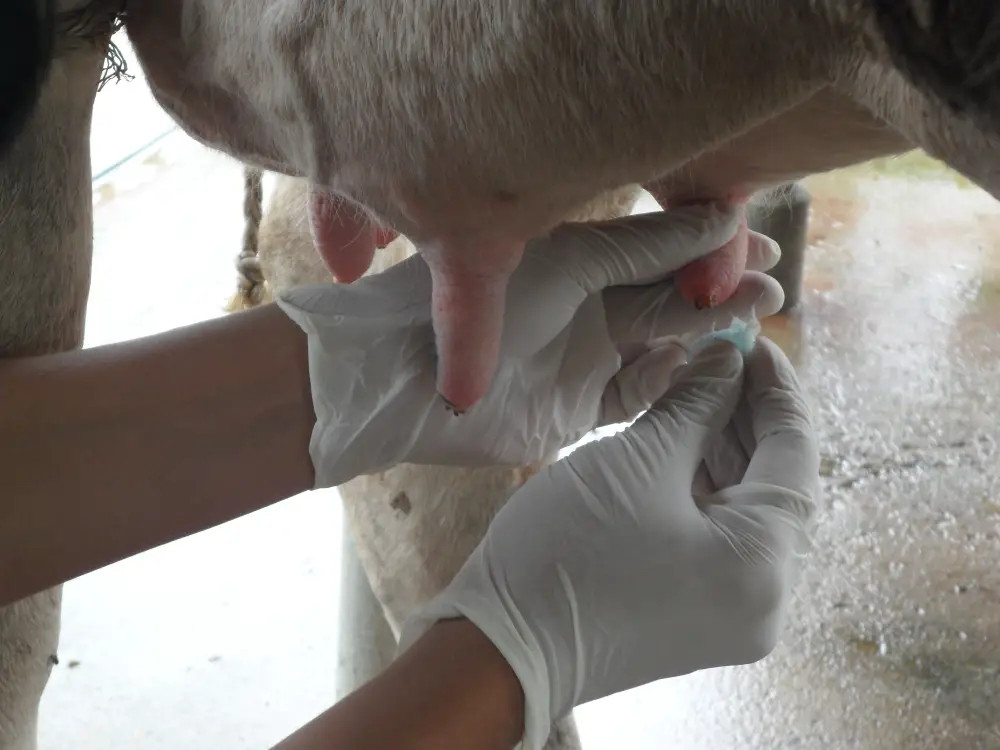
(580, 348)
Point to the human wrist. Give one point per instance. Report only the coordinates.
(473, 598)
(495, 696)
(452, 690)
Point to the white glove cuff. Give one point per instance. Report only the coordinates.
(302, 320)
(348, 407)
(325, 474)
(474, 596)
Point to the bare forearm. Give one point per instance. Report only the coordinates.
(452, 689)
(114, 450)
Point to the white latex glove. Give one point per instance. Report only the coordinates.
(664, 549)
(372, 358)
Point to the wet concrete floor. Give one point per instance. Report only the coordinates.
(894, 639)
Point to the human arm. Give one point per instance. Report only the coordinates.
(453, 690)
(113, 450)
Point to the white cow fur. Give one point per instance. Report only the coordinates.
(45, 253)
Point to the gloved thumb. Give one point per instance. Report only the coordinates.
(697, 407)
(643, 248)
(640, 383)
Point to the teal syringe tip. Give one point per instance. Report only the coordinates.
(741, 333)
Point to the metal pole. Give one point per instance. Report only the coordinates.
(366, 644)
(783, 215)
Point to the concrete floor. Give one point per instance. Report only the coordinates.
(226, 639)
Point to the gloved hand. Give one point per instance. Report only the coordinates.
(664, 549)
(566, 330)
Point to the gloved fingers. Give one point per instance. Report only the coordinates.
(743, 426)
(703, 486)
(678, 428)
(542, 300)
(786, 455)
(759, 540)
(639, 315)
(639, 249)
(763, 253)
(639, 384)
(726, 459)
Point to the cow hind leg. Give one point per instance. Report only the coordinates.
(45, 254)
(29, 637)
